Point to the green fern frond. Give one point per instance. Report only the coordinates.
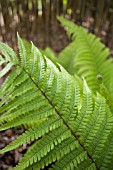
(90, 56)
(72, 128)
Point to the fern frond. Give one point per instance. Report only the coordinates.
(72, 128)
(90, 56)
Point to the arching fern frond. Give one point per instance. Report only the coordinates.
(71, 129)
(90, 56)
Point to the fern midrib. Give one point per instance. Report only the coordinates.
(72, 132)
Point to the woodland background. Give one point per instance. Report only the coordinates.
(36, 20)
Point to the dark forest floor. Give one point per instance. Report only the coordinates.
(10, 159)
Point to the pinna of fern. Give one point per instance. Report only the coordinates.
(72, 130)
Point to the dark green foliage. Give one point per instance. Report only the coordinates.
(71, 122)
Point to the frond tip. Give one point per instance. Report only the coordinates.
(72, 129)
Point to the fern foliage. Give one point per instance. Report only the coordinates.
(71, 128)
(90, 56)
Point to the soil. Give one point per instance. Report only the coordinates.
(10, 159)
